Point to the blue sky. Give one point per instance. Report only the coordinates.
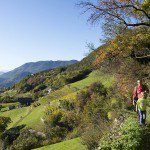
(35, 30)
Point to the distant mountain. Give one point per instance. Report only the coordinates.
(9, 78)
(2, 72)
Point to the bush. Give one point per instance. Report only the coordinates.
(74, 134)
(12, 107)
(54, 119)
(96, 108)
(8, 99)
(58, 123)
(4, 121)
(55, 134)
(11, 134)
(67, 105)
(82, 99)
(98, 88)
(92, 134)
(126, 137)
(27, 140)
(36, 104)
(67, 120)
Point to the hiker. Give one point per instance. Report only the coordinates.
(141, 107)
(137, 91)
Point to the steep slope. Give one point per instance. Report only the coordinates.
(11, 77)
(72, 105)
(34, 118)
(56, 78)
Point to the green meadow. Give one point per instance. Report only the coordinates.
(74, 144)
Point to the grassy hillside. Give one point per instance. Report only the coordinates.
(74, 144)
(26, 115)
(56, 78)
(15, 115)
(80, 101)
(95, 76)
(32, 118)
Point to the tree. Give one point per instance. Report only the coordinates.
(118, 14)
(4, 121)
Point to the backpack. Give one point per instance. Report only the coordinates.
(136, 98)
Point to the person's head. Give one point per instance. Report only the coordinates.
(139, 82)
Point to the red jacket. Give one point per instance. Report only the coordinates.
(137, 91)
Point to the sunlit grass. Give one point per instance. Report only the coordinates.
(74, 144)
(15, 115)
(95, 76)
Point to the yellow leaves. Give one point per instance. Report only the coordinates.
(123, 45)
(71, 96)
(101, 55)
(146, 5)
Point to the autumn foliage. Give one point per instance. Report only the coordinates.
(127, 54)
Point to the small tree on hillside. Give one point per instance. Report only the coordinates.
(4, 121)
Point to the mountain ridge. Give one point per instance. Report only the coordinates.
(11, 77)
(2, 72)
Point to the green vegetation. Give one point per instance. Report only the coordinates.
(15, 115)
(4, 121)
(127, 135)
(27, 140)
(26, 115)
(10, 93)
(89, 101)
(74, 144)
(33, 119)
(95, 76)
(14, 76)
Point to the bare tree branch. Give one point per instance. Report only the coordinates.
(140, 57)
(128, 13)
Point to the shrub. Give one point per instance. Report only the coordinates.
(98, 88)
(27, 140)
(70, 120)
(126, 137)
(74, 134)
(92, 134)
(55, 134)
(67, 105)
(82, 99)
(11, 134)
(36, 104)
(67, 120)
(39, 88)
(95, 120)
(54, 119)
(96, 108)
(58, 123)
(4, 121)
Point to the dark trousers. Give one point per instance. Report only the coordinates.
(142, 117)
